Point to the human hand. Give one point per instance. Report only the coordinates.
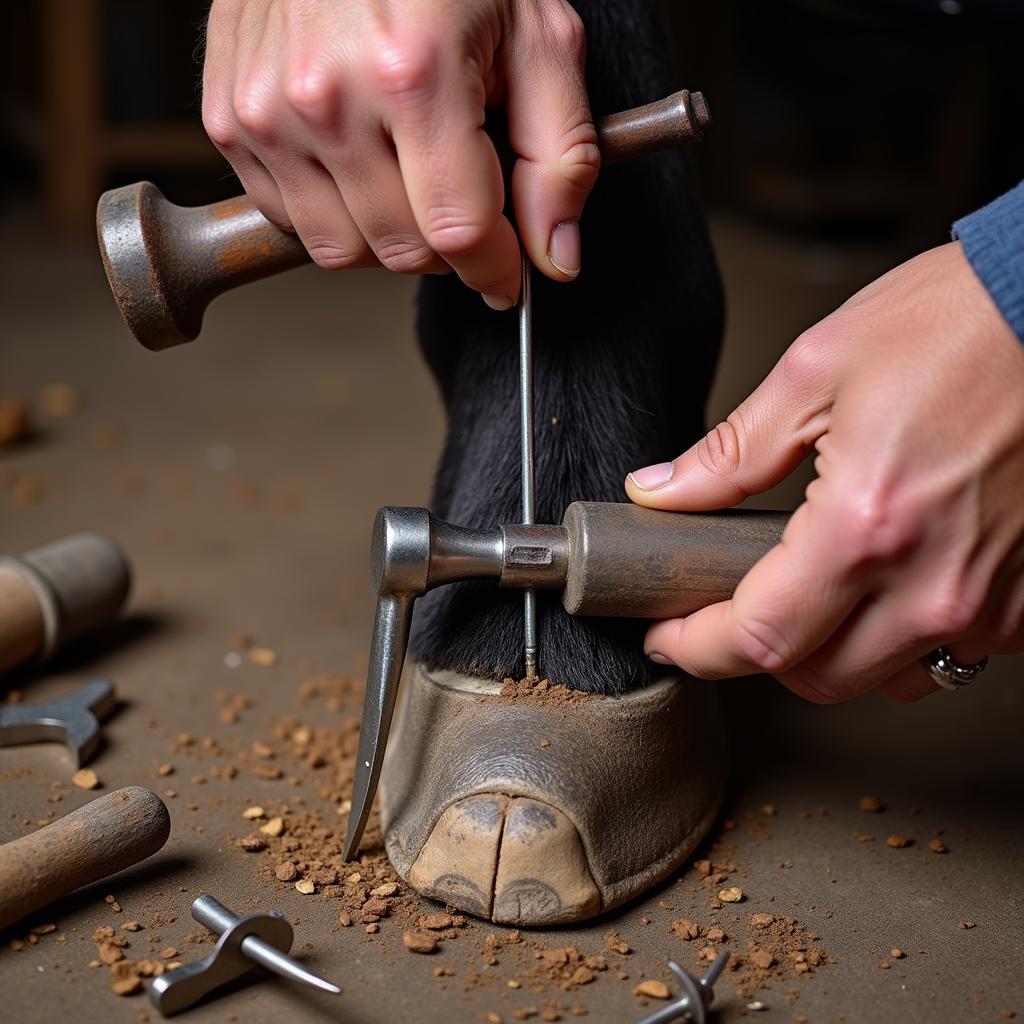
(912, 535)
(360, 126)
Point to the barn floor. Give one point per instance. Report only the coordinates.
(241, 474)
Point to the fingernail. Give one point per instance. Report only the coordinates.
(498, 302)
(650, 478)
(659, 659)
(564, 248)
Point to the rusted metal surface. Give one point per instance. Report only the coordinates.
(166, 263)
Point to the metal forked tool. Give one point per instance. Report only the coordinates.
(696, 997)
(245, 942)
(73, 719)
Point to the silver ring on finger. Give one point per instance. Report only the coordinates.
(948, 673)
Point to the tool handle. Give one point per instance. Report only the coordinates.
(166, 263)
(635, 562)
(103, 837)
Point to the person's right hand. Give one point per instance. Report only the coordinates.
(359, 125)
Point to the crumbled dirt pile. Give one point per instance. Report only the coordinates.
(543, 692)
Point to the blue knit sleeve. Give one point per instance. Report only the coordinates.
(993, 241)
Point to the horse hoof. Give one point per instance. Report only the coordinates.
(543, 806)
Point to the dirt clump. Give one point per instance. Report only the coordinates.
(542, 692)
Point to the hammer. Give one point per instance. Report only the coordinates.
(166, 263)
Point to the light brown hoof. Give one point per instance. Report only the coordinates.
(515, 860)
(534, 812)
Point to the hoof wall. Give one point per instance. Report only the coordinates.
(530, 813)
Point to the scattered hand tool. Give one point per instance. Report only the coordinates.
(245, 942)
(57, 593)
(607, 559)
(105, 836)
(73, 720)
(166, 263)
(696, 998)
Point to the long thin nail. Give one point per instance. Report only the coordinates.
(659, 659)
(499, 302)
(650, 478)
(564, 248)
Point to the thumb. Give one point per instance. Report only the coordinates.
(758, 445)
(553, 135)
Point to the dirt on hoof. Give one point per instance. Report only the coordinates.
(543, 692)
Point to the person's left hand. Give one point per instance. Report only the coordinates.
(912, 536)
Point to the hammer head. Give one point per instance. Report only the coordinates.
(166, 263)
(146, 267)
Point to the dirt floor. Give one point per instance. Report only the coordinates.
(241, 474)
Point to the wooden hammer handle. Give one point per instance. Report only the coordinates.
(634, 562)
(166, 263)
(103, 837)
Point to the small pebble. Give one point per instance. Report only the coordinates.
(652, 989)
(898, 842)
(274, 827)
(896, 953)
(85, 778)
(263, 656)
(419, 942)
(731, 894)
(871, 804)
(252, 813)
(59, 400)
(305, 886)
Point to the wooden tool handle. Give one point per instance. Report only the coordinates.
(22, 629)
(103, 837)
(166, 263)
(641, 563)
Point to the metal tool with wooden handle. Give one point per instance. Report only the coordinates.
(166, 263)
(103, 837)
(606, 559)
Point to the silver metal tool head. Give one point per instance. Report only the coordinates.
(697, 995)
(245, 942)
(73, 720)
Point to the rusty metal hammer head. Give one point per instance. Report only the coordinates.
(166, 263)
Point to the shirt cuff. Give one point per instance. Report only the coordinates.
(993, 242)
